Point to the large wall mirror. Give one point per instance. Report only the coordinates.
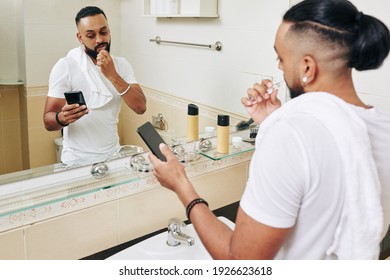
(37, 33)
(41, 32)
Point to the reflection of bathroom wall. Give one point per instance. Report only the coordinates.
(10, 73)
(10, 136)
(174, 111)
(24, 143)
(220, 79)
(9, 40)
(38, 143)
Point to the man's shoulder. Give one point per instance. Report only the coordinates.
(61, 60)
(121, 63)
(119, 59)
(60, 64)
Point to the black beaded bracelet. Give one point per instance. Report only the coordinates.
(58, 120)
(193, 203)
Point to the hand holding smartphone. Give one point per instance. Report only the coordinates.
(152, 139)
(73, 97)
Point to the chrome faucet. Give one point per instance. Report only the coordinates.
(176, 236)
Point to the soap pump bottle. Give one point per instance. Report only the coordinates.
(223, 134)
(192, 122)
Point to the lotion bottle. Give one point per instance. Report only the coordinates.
(223, 134)
(192, 122)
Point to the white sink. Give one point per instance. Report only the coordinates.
(156, 248)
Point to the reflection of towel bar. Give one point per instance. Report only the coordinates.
(217, 46)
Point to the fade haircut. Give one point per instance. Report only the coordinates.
(87, 12)
(363, 40)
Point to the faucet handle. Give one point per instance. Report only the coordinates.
(175, 235)
(177, 222)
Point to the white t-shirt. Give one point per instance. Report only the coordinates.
(295, 180)
(94, 137)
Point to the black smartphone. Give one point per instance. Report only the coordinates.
(73, 97)
(152, 139)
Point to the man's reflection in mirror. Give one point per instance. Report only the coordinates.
(90, 130)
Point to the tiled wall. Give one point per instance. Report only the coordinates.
(10, 130)
(40, 142)
(12, 245)
(24, 141)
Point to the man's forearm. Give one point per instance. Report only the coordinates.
(51, 123)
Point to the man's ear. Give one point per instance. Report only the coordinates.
(78, 35)
(308, 70)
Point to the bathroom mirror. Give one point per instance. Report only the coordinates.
(36, 34)
(39, 33)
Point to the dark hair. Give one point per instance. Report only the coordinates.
(87, 12)
(366, 38)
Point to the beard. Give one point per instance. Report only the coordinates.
(93, 53)
(296, 90)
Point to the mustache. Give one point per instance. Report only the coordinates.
(93, 52)
(105, 44)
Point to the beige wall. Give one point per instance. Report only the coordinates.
(39, 142)
(10, 129)
(24, 142)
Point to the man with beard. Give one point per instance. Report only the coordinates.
(319, 184)
(90, 131)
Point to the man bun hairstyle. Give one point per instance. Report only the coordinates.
(366, 39)
(87, 12)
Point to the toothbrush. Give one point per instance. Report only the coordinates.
(275, 87)
(269, 90)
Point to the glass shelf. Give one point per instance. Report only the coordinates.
(11, 83)
(68, 189)
(233, 151)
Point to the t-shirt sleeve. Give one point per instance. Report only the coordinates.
(59, 80)
(277, 177)
(128, 72)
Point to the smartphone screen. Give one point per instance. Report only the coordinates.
(73, 97)
(152, 139)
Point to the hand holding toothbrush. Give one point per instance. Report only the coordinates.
(262, 99)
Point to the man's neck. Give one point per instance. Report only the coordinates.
(342, 87)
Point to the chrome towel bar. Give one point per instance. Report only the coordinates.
(217, 46)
